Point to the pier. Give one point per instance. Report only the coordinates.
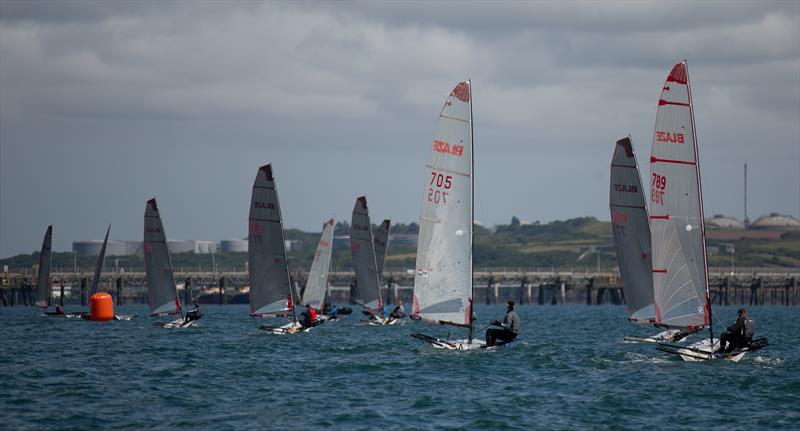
(752, 287)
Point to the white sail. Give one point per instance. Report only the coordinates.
(680, 274)
(317, 284)
(270, 288)
(362, 249)
(162, 294)
(43, 285)
(443, 281)
(631, 233)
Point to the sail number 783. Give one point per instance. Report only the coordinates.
(438, 182)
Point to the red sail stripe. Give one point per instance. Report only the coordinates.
(666, 102)
(679, 162)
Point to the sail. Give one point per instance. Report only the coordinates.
(443, 281)
(317, 285)
(43, 285)
(381, 240)
(98, 269)
(631, 233)
(680, 278)
(368, 291)
(162, 295)
(270, 291)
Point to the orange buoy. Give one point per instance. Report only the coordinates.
(101, 307)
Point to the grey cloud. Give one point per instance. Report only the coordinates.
(185, 100)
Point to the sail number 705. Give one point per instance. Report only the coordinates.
(439, 181)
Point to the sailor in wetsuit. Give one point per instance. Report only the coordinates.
(509, 328)
(193, 314)
(740, 334)
(399, 311)
(308, 316)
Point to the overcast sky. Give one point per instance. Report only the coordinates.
(105, 104)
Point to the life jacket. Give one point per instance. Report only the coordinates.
(313, 315)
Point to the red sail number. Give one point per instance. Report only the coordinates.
(441, 180)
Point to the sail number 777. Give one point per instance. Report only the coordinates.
(439, 182)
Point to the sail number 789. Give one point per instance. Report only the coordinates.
(439, 181)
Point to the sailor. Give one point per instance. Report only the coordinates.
(508, 328)
(739, 334)
(312, 315)
(399, 311)
(333, 312)
(192, 314)
(305, 317)
(59, 311)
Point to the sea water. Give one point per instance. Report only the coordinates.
(568, 370)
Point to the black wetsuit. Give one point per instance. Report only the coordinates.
(191, 315)
(508, 331)
(399, 312)
(305, 319)
(738, 335)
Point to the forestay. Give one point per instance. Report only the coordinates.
(443, 281)
(98, 269)
(362, 248)
(270, 292)
(43, 285)
(162, 295)
(631, 233)
(381, 241)
(317, 284)
(676, 210)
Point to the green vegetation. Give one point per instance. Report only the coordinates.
(572, 244)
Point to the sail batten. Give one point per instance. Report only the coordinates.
(162, 293)
(680, 275)
(443, 279)
(631, 230)
(317, 284)
(362, 249)
(43, 285)
(270, 287)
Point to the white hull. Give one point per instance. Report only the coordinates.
(178, 324)
(287, 329)
(81, 316)
(380, 321)
(460, 345)
(668, 336)
(704, 351)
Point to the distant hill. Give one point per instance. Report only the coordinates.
(575, 244)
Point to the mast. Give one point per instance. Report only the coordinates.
(283, 242)
(700, 198)
(472, 215)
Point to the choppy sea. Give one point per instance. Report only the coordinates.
(569, 370)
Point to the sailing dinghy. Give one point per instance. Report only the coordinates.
(162, 294)
(680, 271)
(443, 281)
(632, 242)
(98, 270)
(270, 284)
(42, 294)
(365, 264)
(317, 284)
